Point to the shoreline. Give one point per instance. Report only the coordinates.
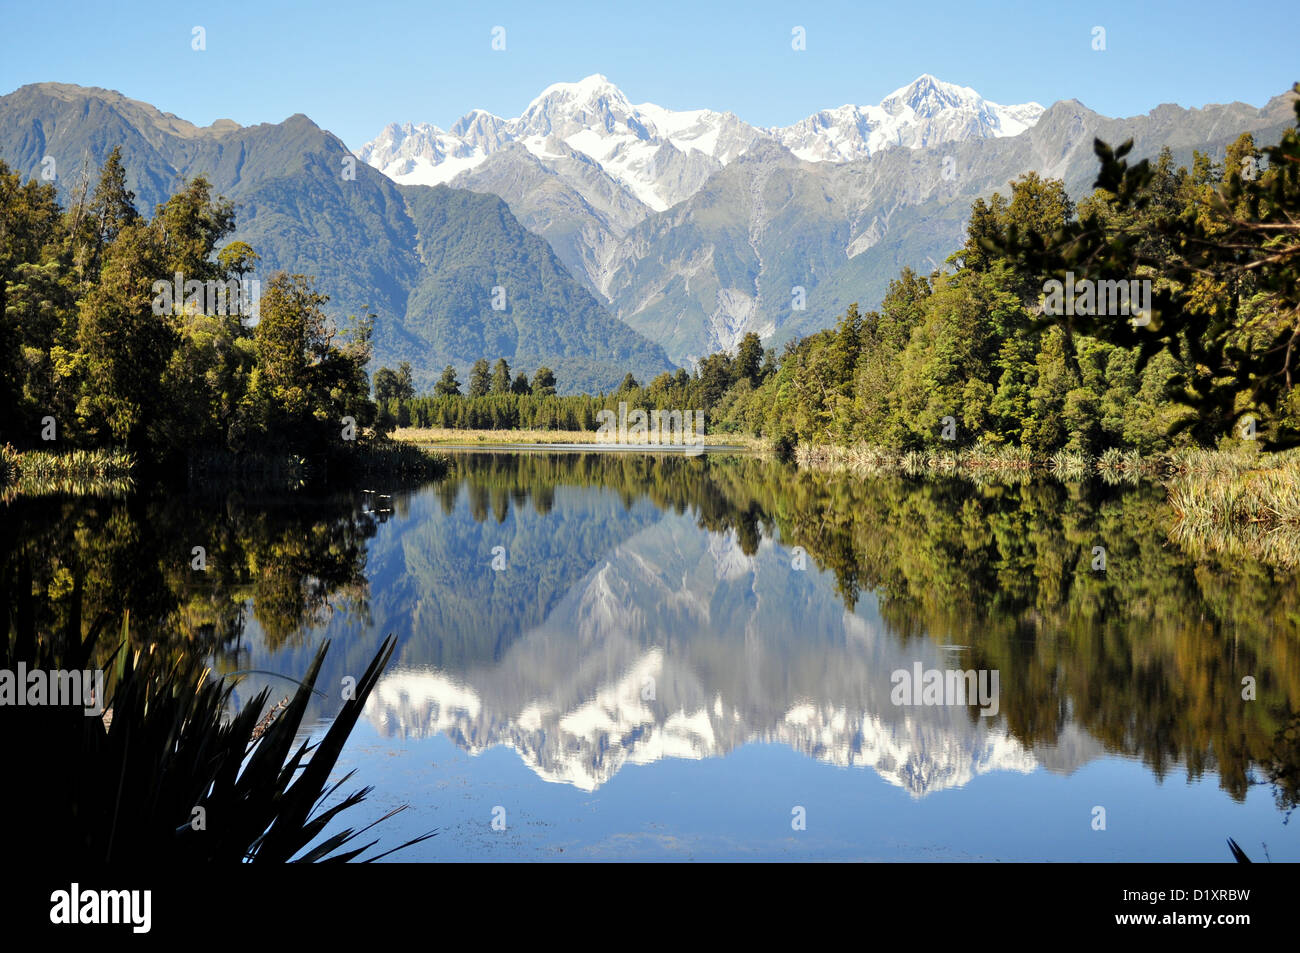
(582, 440)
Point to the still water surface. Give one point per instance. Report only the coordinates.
(693, 658)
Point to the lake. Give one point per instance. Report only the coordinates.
(631, 656)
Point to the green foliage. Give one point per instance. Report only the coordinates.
(1221, 246)
(79, 473)
(480, 380)
(501, 377)
(720, 383)
(749, 357)
(544, 382)
(90, 341)
(447, 385)
(394, 385)
(238, 258)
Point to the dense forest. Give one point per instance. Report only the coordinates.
(95, 355)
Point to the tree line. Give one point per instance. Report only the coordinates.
(967, 354)
(494, 400)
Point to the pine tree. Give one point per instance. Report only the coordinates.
(449, 386)
(112, 208)
(501, 377)
(480, 380)
(544, 382)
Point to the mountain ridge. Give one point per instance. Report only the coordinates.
(771, 226)
(641, 138)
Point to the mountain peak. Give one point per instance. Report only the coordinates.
(925, 83)
(595, 86)
(927, 96)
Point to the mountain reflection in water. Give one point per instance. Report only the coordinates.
(654, 608)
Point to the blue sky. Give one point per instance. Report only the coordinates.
(353, 67)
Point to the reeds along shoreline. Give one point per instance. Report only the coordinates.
(983, 463)
(1255, 513)
(1221, 501)
(112, 472)
(76, 472)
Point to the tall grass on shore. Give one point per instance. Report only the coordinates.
(111, 472)
(77, 472)
(981, 464)
(1253, 513)
(1236, 501)
(396, 460)
(985, 463)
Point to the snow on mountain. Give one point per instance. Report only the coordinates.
(421, 154)
(587, 745)
(675, 646)
(659, 155)
(662, 156)
(924, 114)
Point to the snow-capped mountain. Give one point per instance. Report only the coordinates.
(586, 745)
(679, 644)
(924, 114)
(663, 156)
(660, 156)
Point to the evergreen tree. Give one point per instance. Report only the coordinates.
(405, 389)
(112, 208)
(544, 382)
(448, 385)
(29, 296)
(238, 258)
(386, 385)
(480, 380)
(749, 356)
(501, 377)
(290, 340)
